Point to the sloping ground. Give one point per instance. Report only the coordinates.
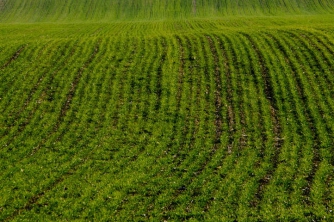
(23, 11)
(207, 120)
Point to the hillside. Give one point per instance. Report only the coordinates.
(23, 11)
(148, 111)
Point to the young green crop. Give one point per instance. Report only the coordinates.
(23, 11)
(195, 117)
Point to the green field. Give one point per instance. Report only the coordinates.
(110, 10)
(204, 110)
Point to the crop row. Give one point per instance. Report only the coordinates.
(209, 126)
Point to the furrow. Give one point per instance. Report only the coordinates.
(218, 100)
(159, 77)
(26, 118)
(313, 144)
(103, 149)
(13, 58)
(188, 149)
(233, 174)
(13, 74)
(189, 183)
(73, 88)
(14, 92)
(318, 110)
(66, 106)
(45, 75)
(277, 129)
(325, 48)
(230, 110)
(31, 121)
(223, 161)
(121, 122)
(33, 200)
(181, 73)
(179, 103)
(146, 149)
(317, 65)
(296, 147)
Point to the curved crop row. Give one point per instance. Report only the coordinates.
(205, 124)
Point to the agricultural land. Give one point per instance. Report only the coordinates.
(170, 110)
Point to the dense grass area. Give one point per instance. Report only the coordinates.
(142, 110)
(110, 10)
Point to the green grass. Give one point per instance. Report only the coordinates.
(144, 113)
(70, 11)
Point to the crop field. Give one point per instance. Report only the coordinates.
(74, 11)
(200, 119)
